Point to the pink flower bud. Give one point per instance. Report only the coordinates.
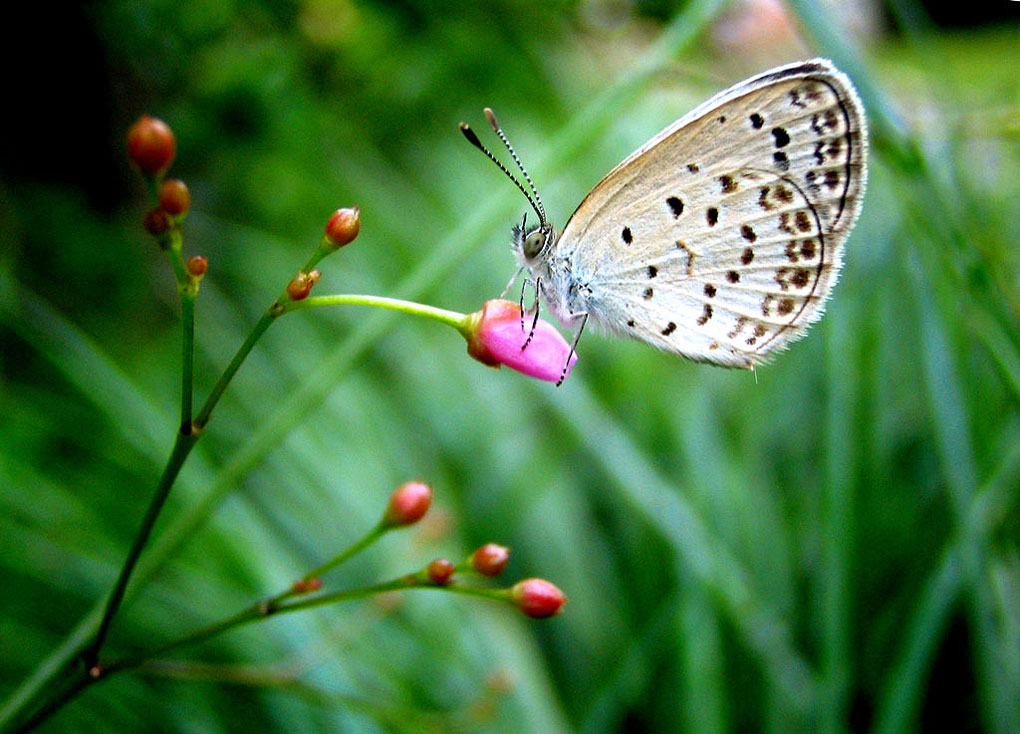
(440, 571)
(490, 559)
(408, 504)
(496, 337)
(343, 227)
(151, 145)
(537, 598)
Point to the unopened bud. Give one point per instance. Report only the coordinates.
(151, 145)
(197, 265)
(440, 571)
(408, 504)
(299, 288)
(156, 222)
(174, 197)
(490, 559)
(304, 586)
(343, 227)
(537, 598)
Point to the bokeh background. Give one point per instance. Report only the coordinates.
(830, 544)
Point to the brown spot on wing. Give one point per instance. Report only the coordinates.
(801, 277)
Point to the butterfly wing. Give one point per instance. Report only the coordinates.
(720, 239)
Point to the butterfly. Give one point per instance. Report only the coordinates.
(719, 239)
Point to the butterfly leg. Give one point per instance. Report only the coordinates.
(535, 305)
(520, 303)
(516, 276)
(573, 348)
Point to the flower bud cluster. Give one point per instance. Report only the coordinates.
(151, 147)
(535, 598)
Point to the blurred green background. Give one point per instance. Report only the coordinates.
(828, 545)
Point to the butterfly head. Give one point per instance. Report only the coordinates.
(532, 243)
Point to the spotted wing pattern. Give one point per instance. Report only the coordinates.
(721, 238)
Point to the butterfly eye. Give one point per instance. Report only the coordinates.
(533, 244)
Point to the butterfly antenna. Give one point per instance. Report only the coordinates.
(473, 139)
(491, 117)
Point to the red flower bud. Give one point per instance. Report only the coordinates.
(537, 598)
(197, 265)
(490, 559)
(496, 338)
(299, 288)
(174, 198)
(304, 586)
(156, 222)
(440, 571)
(151, 145)
(343, 227)
(408, 504)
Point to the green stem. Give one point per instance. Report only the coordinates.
(259, 611)
(458, 321)
(72, 687)
(187, 356)
(183, 444)
(370, 537)
(182, 447)
(185, 441)
(411, 581)
(267, 608)
(235, 364)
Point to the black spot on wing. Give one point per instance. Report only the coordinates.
(676, 205)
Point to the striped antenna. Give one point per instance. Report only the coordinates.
(536, 202)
